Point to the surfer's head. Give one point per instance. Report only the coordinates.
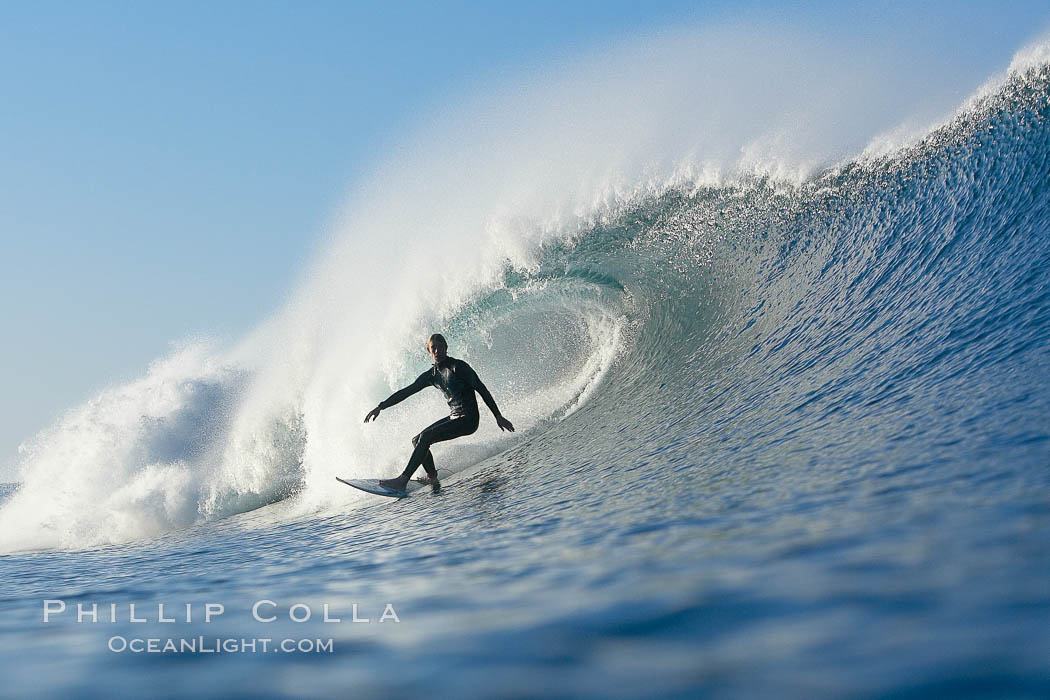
(437, 347)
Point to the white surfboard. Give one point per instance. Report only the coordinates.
(373, 485)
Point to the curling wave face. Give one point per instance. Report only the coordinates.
(875, 318)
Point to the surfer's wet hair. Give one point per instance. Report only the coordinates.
(437, 338)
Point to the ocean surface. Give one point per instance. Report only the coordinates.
(775, 439)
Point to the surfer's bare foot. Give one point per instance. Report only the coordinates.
(395, 484)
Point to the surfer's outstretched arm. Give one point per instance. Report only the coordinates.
(486, 396)
(400, 395)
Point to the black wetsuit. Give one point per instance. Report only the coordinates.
(458, 381)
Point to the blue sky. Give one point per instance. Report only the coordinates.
(167, 169)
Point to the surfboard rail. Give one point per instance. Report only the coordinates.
(374, 487)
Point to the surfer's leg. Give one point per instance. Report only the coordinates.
(428, 466)
(428, 456)
(444, 429)
(420, 453)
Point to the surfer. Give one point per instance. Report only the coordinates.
(458, 381)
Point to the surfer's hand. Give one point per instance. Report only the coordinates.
(504, 424)
(373, 414)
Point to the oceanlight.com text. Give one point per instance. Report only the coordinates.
(218, 645)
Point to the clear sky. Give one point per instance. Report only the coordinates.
(167, 169)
